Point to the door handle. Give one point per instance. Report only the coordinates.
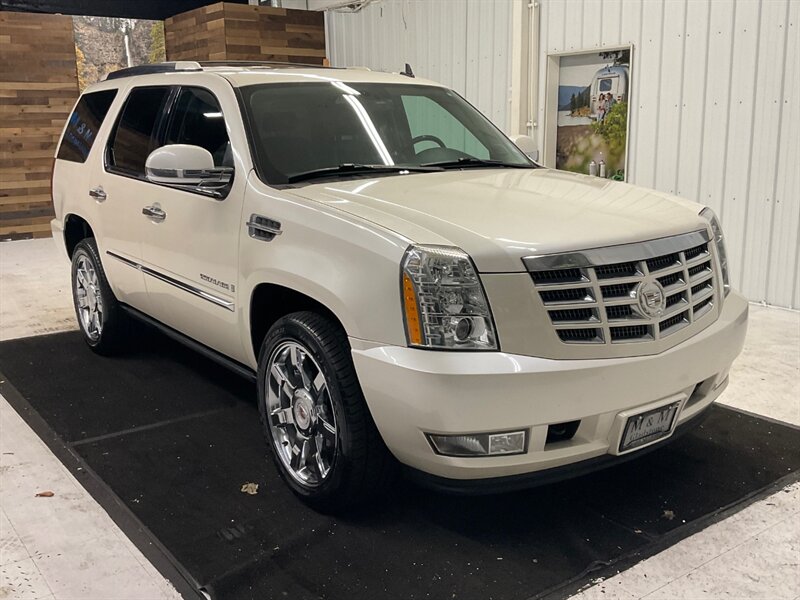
(154, 213)
(98, 194)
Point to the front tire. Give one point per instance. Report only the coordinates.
(323, 439)
(100, 318)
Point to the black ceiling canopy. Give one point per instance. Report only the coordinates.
(140, 9)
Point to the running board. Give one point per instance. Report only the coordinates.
(221, 359)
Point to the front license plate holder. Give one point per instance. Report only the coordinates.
(647, 427)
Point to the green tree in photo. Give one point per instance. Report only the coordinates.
(583, 98)
(613, 129)
(158, 51)
(80, 60)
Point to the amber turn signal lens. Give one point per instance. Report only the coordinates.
(412, 312)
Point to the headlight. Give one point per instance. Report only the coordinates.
(443, 300)
(719, 240)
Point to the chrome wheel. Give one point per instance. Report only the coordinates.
(89, 298)
(300, 414)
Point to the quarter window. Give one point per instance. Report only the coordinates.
(135, 135)
(197, 120)
(83, 124)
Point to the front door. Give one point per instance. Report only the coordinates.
(190, 248)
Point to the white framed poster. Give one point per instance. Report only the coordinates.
(587, 112)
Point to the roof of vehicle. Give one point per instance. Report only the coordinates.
(611, 70)
(241, 73)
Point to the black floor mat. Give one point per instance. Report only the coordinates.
(175, 437)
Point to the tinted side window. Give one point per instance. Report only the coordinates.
(134, 136)
(197, 120)
(83, 124)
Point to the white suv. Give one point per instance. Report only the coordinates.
(397, 275)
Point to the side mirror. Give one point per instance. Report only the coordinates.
(188, 167)
(527, 145)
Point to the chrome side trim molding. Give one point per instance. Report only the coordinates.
(226, 304)
(127, 261)
(188, 288)
(610, 255)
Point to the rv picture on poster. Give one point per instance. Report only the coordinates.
(593, 93)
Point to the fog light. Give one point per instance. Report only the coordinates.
(479, 444)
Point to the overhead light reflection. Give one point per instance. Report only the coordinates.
(369, 126)
(345, 88)
(356, 190)
(360, 188)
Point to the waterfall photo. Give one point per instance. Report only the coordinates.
(106, 44)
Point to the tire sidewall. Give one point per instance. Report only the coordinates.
(105, 343)
(291, 330)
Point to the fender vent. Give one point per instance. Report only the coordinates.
(263, 228)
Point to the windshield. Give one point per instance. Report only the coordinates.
(298, 128)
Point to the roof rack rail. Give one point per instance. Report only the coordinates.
(191, 65)
(165, 67)
(261, 63)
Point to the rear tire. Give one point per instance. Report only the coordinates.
(323, 439)
(103, 324)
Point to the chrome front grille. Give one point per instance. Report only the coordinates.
(631, 293)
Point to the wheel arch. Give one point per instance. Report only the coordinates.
(271, 301)
(76, 228)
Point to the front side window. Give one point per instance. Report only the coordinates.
(83, 124)
(197, 120)
(605, 85)
(305, 127)
(135, 135)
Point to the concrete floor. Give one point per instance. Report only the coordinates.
(68, 547)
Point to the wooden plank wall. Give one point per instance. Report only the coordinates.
(197, 34)
(38, 87)
(225, 31)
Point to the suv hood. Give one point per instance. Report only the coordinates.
(499, 216)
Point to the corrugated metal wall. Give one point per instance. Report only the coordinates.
(716, 93)
(715, 116)
(463, 44)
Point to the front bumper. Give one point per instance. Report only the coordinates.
(411, 392)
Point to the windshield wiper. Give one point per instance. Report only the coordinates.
(469, 161)
(357, 169)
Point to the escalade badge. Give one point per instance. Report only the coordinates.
(651, 298)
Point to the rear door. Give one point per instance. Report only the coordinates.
(75, 169)
(191, 256)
